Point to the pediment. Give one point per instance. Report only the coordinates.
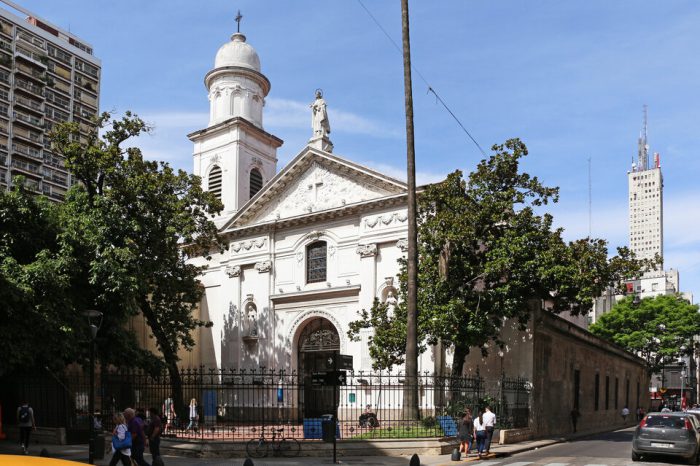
(315, 181)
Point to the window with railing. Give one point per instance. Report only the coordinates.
(56, 114)
(4, 95)
(26, 166)
(57, 99)
(4, 76)
(87, 68)
(33, 104)
(31, 87)
(32, 120)
(28, 151)
(59, 54)
(4, 110)
(37, 42)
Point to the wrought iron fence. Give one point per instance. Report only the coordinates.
(240, 404)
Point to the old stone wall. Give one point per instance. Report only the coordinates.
(574, 369)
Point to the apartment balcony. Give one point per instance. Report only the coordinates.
(29, 87)
(31, 72)
(25, 167)
(29, 120)
(28, 152)
(27, 136)
(31, 40)
(37, 59)
(30, 104)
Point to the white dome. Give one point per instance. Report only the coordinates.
(237, 53)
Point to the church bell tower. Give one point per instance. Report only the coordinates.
(234, 155)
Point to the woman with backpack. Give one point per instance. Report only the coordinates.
(25, 421)
(121, 441)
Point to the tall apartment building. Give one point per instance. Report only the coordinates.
(646, 231)
(47, 76)
(646, 208)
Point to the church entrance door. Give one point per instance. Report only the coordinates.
(317, 344)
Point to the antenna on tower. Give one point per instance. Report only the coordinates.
(590, 200)
(643, 157)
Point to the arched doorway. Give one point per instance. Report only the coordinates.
(318, 341)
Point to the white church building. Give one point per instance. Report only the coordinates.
(309, 245)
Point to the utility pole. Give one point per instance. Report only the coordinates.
(410, 391)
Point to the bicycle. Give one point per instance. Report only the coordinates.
(286, 447)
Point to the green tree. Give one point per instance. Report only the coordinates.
(485, 256)
(134, 224)
(36, 319)
(658, 329)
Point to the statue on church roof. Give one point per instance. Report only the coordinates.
(319, 116)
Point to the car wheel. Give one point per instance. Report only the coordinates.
(636, 456)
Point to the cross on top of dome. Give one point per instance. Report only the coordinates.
(238, 19)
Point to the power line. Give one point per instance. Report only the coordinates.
(425, 81)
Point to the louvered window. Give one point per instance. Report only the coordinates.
(256, 181)
(316, 262)
(214, 185)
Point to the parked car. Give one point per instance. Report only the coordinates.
(671, 434)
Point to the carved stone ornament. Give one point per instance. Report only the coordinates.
(215, 158)
(402, 244)
(386, 219)
(233, 271)
(367, 250)
(248, 245)
(264, 266)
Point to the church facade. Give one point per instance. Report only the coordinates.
(309, 246)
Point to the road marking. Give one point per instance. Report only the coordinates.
(489, 463)
(519, 463)
(594, 464)
(557, 464)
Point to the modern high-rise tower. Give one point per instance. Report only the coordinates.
(47, 76)
(646, 228)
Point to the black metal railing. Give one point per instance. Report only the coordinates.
(237, 404)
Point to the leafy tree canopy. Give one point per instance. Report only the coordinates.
(485, 255)
(36, 319)
(658, 329)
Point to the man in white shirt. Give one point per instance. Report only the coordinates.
(490, 423)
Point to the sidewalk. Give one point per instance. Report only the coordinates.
(79, 453)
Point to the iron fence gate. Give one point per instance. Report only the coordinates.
(238, 404)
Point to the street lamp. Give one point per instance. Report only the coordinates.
(94, 319)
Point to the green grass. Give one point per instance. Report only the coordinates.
(416, 431)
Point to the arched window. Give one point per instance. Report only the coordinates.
(214, 183)
(256, 181)
(316, 262)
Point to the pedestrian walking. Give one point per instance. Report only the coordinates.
(575, 414)
(193, 415)
(480, 434)
(25, 421)
(625, 412)
(168, 415)
(466, 432)
(490, 424)
(138, 436)
(120, 432)
(153, 432)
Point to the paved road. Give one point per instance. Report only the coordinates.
(609, 449)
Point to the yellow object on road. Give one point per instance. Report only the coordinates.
(24, 460)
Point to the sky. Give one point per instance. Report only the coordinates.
(568, 78)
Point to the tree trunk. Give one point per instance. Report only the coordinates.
(410, 392)
(170, 357)
(461, 353)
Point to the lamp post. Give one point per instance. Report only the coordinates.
(94, 319)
